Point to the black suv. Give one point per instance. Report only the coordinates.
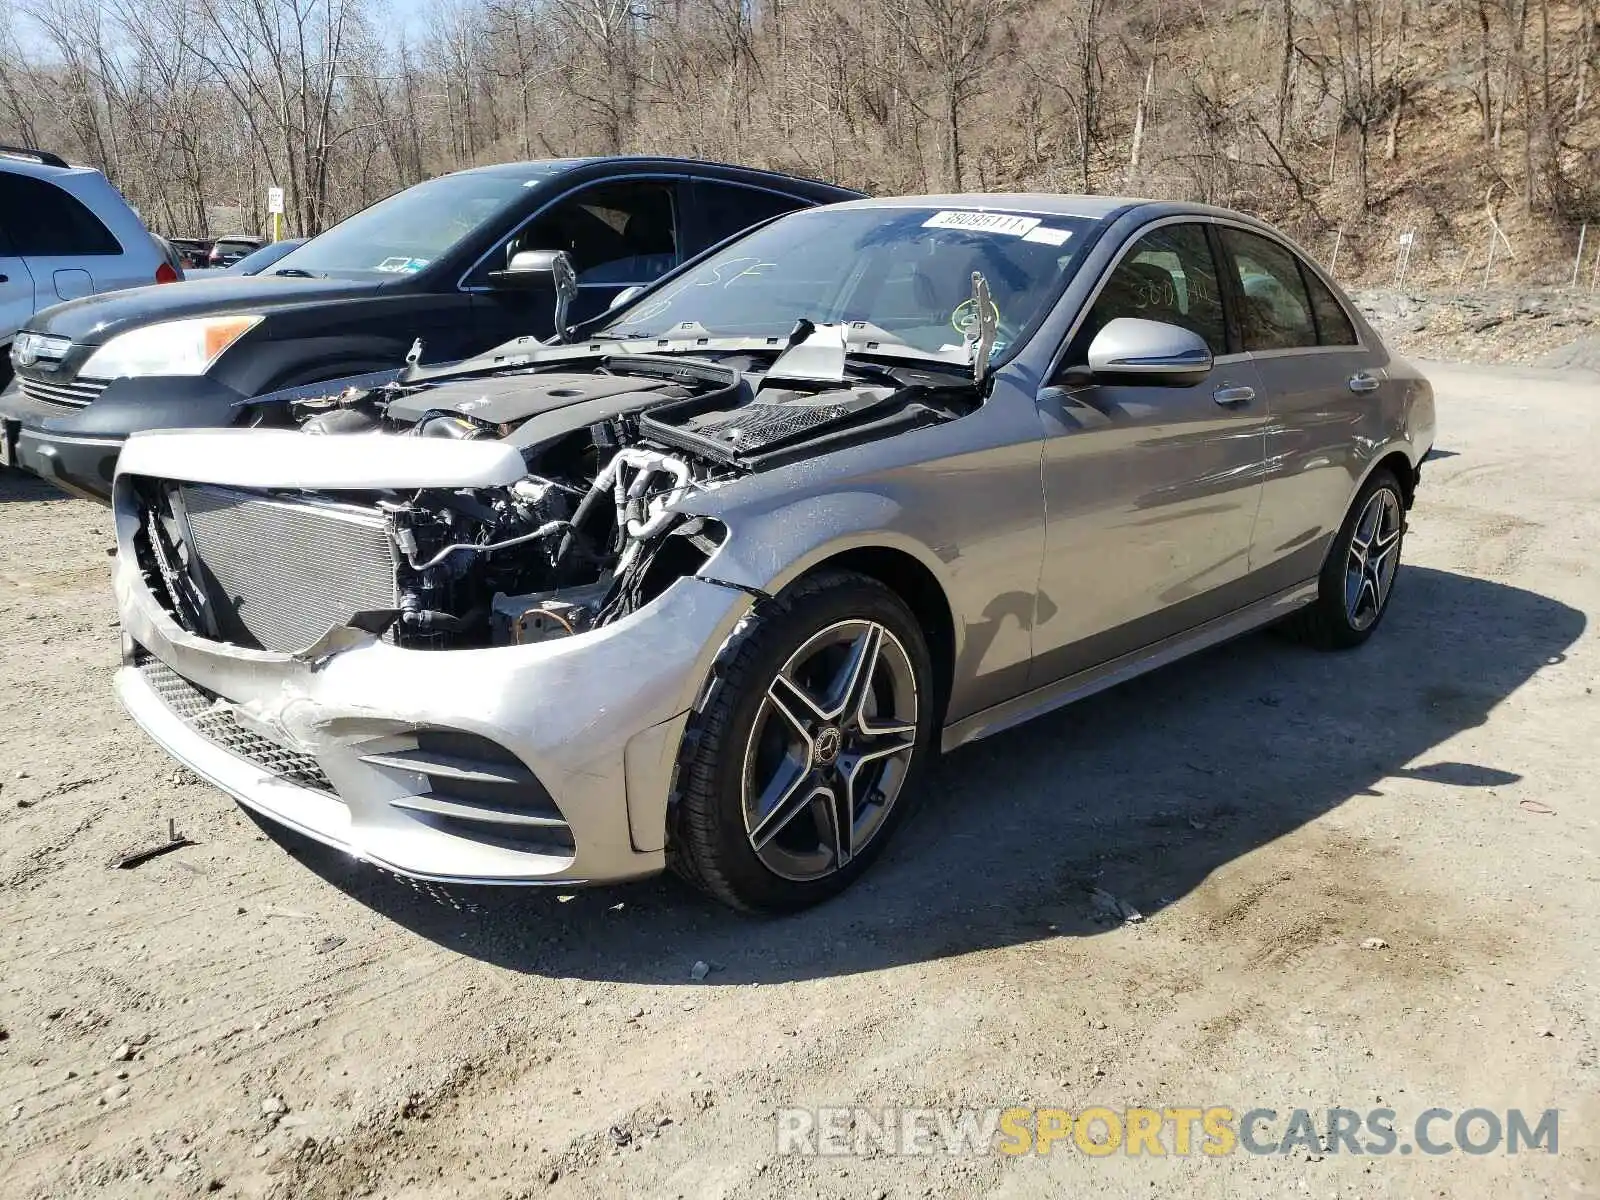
(434, 262)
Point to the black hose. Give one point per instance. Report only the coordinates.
(569, 539)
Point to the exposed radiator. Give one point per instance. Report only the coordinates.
(286, 571)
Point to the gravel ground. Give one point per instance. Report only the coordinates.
(253, 1016)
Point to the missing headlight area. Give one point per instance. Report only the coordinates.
(600, 525)
(434, 569)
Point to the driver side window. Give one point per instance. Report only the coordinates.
(616, 233)
(1168, 275)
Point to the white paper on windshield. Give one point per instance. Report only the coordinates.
(1050, 237)
(981, 222)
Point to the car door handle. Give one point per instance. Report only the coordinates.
(1362, 382)
(1234, 395)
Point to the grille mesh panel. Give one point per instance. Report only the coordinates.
(197, 709)
(755, 425)
(287, 572)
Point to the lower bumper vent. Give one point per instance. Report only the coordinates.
(478, 790)
(198, 709)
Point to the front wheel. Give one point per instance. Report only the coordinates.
(1358, 577)
(795, 774)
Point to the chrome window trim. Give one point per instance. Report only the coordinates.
(1132, 239)
(1259, 355)
(638, 176)
(1128, 243)
(1306, 263)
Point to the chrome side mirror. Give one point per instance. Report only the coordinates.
(1152, 351)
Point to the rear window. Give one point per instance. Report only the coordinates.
(727, 208)
(1333, 323)
(41, 219)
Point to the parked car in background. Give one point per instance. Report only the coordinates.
(65, 233)
(259, 260)
(441, 262)
(230, 248)
(707, 586)
(170, 252)
(196, 252)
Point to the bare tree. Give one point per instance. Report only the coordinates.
(958, 42)
(1303, 110)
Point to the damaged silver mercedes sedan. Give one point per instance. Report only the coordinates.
(706, 583)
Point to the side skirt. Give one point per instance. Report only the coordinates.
(1119, 670)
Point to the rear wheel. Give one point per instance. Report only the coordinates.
(1358, 577)
(795, 774)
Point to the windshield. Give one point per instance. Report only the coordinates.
(907, 271)
(403, 234)
(259, 260)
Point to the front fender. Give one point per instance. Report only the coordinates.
(768, 550)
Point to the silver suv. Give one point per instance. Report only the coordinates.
(65, 232)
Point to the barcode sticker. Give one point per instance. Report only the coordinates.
(982, 222)
(1050, 237)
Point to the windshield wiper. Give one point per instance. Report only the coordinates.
(296, 273)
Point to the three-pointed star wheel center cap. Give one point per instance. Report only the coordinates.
(826, 746)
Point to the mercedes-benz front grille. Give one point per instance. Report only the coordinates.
(283, 572)
(80, 393)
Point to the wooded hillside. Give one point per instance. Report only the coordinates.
(1348, 121)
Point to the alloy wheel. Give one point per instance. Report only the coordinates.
(829, 749)
(1374, 558)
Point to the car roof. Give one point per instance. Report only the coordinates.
(19, 164)
(551, 167)
(1054, 204)
(1050, 203)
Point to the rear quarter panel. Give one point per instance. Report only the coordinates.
(1324, 440)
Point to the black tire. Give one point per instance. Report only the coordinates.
(709, 843)
(1328, 622)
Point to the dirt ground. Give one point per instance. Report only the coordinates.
(290, 1024)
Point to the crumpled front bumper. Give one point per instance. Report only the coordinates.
(596, 718)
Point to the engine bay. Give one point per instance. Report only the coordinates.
(594, 530)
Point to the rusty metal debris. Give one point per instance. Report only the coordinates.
(175, 841)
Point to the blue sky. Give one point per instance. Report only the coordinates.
(395, 18)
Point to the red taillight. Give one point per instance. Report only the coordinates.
(165, 274)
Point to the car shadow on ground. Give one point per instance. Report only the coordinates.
(18, 485)
(1151, 786)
